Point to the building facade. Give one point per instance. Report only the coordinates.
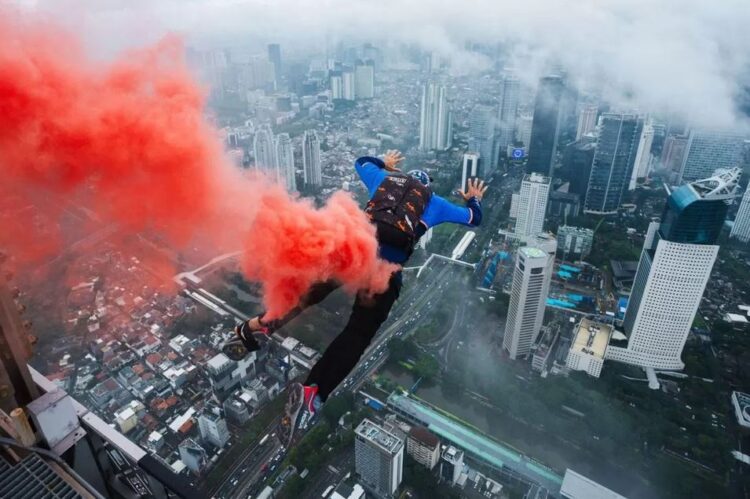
(364, 79)
(378, 458)
(213, 426)
(532, 204)
(469, 168)
(614, 157)
(545, 129)
(193, 455)
(589, 347)
(264, 150)
(482, 137)
(507, 111)
(451, 464)
(531, 280)
(709, 150)
(436, 121)
(285, 162)
(423, 446)
(741, 227)
(574, 242)
(311, 159)
(676, 262)
(642, 163)
(586, 121)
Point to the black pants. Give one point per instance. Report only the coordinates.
(368, 313)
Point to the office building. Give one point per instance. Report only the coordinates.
(532, 204)
(577, 160)
(451, 464)
(213, 426)
(563, 204)
(672, 154)
(193, 455)
(589, 346)
(436, 122)
(709, 150)
(378, 458)
(531, 279)
(264, 150)
(311, 159)
(546, 125)
(348, 88)
(507, 111)
(274, 57)
(482, 137)
(225, 374)
(423, 446)
(642, 162)
(614, 157)
(285, 162)
(524, 124)
(469, 168)
(574, 243)
(676, 262)
(586, 121)
(741, 227)
(337, 85)
(364, 79)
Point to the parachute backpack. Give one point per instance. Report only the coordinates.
(397, 208)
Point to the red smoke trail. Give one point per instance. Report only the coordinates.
(129, 141)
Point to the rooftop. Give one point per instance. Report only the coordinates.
(591, 338)
(424, 436)
(577, 486)
(378, 435)
(531, 252)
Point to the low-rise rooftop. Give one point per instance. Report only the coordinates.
(591, 338)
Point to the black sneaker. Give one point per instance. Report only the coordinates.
(244, 341)
(301, 409)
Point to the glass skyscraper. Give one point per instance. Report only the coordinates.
(708, 150)
(545, 127)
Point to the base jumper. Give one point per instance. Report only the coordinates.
(403, 208)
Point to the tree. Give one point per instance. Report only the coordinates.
(337, 406)
(426, 367)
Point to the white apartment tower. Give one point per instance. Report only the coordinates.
(435, 124)
(532, 204)
(469, 168)
(741, 227)
(213, 427)
(264, 150)
(378, 458)
(642, 156)
(285, 161)
(528, 296)
(586, 121)
(364, 79)
(676, 262)
(311, 159)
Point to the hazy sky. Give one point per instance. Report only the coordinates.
(689, 56)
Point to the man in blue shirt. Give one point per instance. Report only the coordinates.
(403, 208)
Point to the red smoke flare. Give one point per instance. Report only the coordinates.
(129, 141)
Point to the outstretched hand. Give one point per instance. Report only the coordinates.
(392, 158)
(475, 189)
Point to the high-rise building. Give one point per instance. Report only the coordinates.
(709, 150)
(616, 148)
(213, 426)
(378, 458)
(311, 159)
(741, 227)
(586, 121)
(528, 296)
(532, 204)
(673, 153)
(193, 455)
(364, 79)
(347, 81)
(577, 160)
(436, 121)
(469, 168)
(524, 124)
(264, 150)
(423, 446)
(642, 156)
(451, 464)
(507, 110)
(545, 130)
(285, 161)
(274, 57)
(676, 262)
(258, 72)
(482, 137)
(574, 242)
(337, 85)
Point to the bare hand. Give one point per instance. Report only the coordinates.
(475, 189)
(392, 158)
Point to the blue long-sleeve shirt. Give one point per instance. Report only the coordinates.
(438, 209)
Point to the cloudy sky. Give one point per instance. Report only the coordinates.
(687, 56)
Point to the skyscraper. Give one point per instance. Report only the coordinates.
(741, 227)
(378, 458)
(285, 161)
(511, 89)
(482, 137)
(274, 57)
(642, 156)
(337, 85)
(546, 125)
(524, 124)
(708, 150)
(616, 148)
(675, 265)
(311, 159)
(435, 124)
(528, 296)
(213, 427)
(264, 150)
(577, 160)
(532, 204)
(364, 79)
(347, 81)
(673, 153)
(469, 168)
(586, 121)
